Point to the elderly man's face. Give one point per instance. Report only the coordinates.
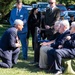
(56, 27)
(72, 30)
(61, 29)
(20, 27)
(19, 6)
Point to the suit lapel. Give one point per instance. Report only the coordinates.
(49, 12)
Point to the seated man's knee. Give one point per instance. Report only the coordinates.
(50, 52)
(41, 49)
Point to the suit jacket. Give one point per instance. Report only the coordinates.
(23, 15)
(60, 39)
(51, 16)
(8, 39)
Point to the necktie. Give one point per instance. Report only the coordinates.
(51, 9)
(18, 12)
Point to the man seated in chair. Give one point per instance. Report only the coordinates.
(66, 50)
(10, 45)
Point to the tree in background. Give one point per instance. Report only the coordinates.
(7, 5)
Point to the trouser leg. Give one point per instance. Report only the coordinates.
(23, 37)
(59, 54)
(51, 59)
(43, 56)
(6, 59)
(15, 55)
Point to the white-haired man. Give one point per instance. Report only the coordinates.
(55, 55)
(10, 46)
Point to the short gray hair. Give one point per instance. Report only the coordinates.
(18, 22)
(73, 24)
(65, 23)
(57, 23)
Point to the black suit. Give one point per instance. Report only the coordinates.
(50, 17)
(8, 50)
(50, 53)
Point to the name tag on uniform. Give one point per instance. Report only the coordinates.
(21, 16)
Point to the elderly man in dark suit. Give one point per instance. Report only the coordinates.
(52, 15)
(66, 50)
(10, 45)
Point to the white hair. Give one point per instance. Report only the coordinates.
(73, 24)
(18, 22)
(65, 23)
(57, 23)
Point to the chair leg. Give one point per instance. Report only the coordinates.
(69, 68)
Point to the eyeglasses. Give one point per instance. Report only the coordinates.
(50, 2)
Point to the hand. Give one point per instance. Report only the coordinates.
(47, 26)
(45, 44)
(68, 37)
(60, 46)
(18, 45)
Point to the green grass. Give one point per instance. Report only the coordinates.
(22, 67)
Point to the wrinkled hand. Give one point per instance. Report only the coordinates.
(18, 45)
(68, 37)
(47, 27)
(45, 44)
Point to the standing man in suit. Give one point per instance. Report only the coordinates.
(10, 46)
(52, 15)
(19, 12)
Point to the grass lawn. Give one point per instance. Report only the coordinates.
(22, 67)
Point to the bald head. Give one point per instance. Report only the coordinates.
(52, 0)
(52, 3)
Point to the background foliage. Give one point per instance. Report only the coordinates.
(7, 5)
